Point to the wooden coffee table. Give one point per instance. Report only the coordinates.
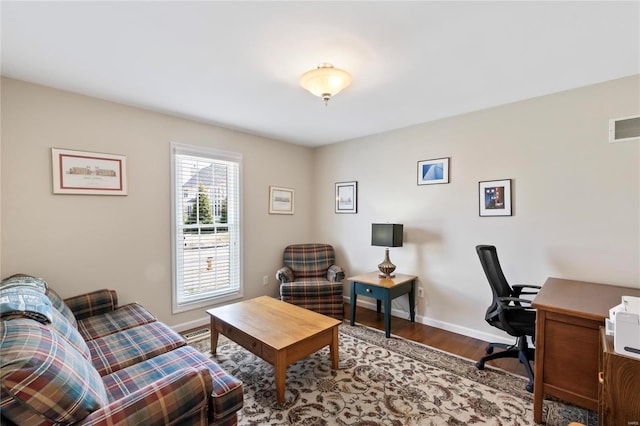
(278, 332)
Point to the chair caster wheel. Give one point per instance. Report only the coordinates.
(489, 350)
(480, 365)
(529, 387)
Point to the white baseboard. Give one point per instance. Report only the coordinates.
(179, 328)
(465, 331)
(454, 328)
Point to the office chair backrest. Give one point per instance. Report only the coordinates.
(489, 260)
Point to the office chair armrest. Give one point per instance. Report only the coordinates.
(518, 289)
(505, 301)
(505, 308)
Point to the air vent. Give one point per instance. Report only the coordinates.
(624, 129)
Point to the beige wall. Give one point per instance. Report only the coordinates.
(576, 199)
(79, 243)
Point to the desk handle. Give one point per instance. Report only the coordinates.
(601, 376)
(368, 290)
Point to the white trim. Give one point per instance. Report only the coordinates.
(465, 331)
(189, 325)
(235, 157)
(477, 334)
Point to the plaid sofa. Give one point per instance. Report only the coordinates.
(310, 279)
(86, 360)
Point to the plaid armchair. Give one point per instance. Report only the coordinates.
(310, 279)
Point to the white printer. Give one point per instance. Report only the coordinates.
(624, 325)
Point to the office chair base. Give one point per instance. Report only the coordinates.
(520, 350)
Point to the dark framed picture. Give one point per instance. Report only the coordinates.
(495, 197)
(432, 172)
(347, 197)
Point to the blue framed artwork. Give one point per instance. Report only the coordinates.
(495, 197)
(435, 171)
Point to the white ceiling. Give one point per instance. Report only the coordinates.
(236, 64)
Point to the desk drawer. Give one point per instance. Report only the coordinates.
(372, 291)
(243, 339)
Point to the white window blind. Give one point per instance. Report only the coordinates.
(206, 226)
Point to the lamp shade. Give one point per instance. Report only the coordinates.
(325, 81)
(386, 234)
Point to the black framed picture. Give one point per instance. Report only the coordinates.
(347, 197)
(495, 197)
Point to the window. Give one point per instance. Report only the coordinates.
(206, 226)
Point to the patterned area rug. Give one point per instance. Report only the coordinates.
(383, 382)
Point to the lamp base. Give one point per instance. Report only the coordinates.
(382, 275)
(386, 267)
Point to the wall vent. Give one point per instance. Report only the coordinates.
(624, 129)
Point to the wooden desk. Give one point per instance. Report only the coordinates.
(569, 316)
(619, 377)
(383, 290)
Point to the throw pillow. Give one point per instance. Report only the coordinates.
(24, 296)
(46, 375)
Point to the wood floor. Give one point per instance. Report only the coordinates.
(464, 346)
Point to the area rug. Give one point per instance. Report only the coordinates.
(380, 381)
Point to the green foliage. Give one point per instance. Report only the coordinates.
(223, 211)
(201, 209)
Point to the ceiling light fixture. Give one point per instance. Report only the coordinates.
(325, 81)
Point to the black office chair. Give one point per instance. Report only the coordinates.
(509, 313)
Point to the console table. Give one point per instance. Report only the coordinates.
(568, 320)
(384, 290)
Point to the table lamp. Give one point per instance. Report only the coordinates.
(386, 235)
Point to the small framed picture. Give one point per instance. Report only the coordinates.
(281, 200)
(432, 172)
(495, 197)
(347, 197)
(88, 173)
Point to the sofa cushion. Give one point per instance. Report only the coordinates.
(332, 306)
(46, 375)
(119, 350)
(122, 318)
(227, 397)
(62, 307)
(311, 288)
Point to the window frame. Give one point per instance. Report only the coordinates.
(176, 191)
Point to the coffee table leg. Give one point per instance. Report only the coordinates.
(281, 375)
(333, 348)
(214, 337)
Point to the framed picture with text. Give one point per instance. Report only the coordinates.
(88, 173)
(281, 200)
(347, 197)
(495, 198)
